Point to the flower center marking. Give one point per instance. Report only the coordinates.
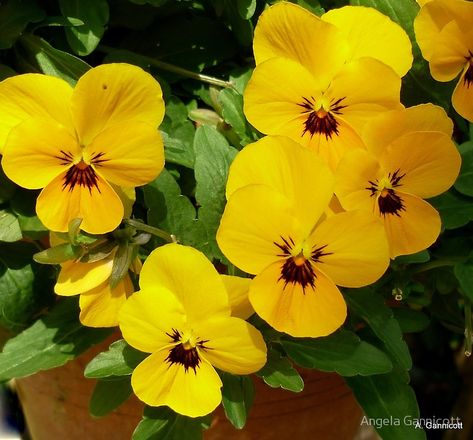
(185, 353)
(468, 78)
(299, 269)
(389, 201)
(81, 173)
(319, 119)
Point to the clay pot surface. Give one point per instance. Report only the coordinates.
(55, 403)
(325, 410)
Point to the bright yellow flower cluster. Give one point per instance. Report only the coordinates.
(444, 33)
(332, 193)
(329, 89)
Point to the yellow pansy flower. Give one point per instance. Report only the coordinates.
(444, 33)
(318, 80)
(181, 315)
(79, 143)
(99, 302)
(276, 229)
(406, 162)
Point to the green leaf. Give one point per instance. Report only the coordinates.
(109, 395)
(14, 17)
(388, 398)
(464, 274)
(279, 373)
(242, 28)
(119, 360)
(232, 112)
(59, 22)
(126, 253)
(10, 230)
(52, 61)
(57, 254)
(371, 307)
(239, 77)
(154, 3)
(94, 14)
(164, 424)
(213, 157)
(455, 210)
(246, 8)
(24, 287)
(342, 352)
(178, 134)
(237, 398)
(23, 204)
(98, 251)
(73, 230)
(464, 182)
(411, 321)
(7, 187)
(171, 211)
(50, 342)
(190, 41)
(419, 257)
(314, 5)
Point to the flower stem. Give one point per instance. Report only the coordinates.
(468, 327)
(436, 263)
(143, 59)
(170, 238)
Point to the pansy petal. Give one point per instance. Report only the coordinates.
(415, 229)
(373, 34)
(113, 94)
(428, 161)
(35, 152)
(309, 312)
(99, 207)
(354, 174)
(148, 316)
(157, 382)
(274, 96)
(354, 247)
(332, 148)
(33, 95)
(233, 345)
(388, 126)
(187, 273)
(290, 31)
(128, 154)
(368, 87)
(99, 307)
(237, 289)
(462, 98)
(434, 16)
(255, 218)
(77, 277)
(288, 168)
(451, 52)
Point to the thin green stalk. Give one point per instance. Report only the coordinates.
(468, 327)
(434, 264)
(170, 238)
(143, 59)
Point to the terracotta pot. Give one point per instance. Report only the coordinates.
(55, 404)
(325, 410)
